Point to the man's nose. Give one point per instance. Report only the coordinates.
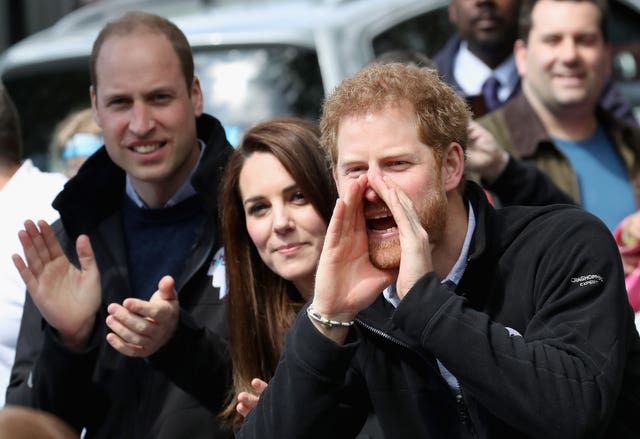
(370, 194)
(141, 121)
(568, 50)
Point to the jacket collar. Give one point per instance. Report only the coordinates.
(96, 191)
(530, 132)
(482, 253)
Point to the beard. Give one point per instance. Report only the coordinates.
(385, 254)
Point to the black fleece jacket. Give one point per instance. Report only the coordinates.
(109, 394)
(538, 333)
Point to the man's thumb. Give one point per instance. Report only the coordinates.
(166, 287)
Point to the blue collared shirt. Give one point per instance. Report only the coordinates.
(457, 270)
(185, 191)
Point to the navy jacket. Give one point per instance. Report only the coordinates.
(109, 394)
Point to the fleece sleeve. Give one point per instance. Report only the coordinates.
(309, 395)
(548, 357)
(523, 184)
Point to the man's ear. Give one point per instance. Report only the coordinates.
(608, 53)
(520, 56)
(94, 105)
(453, 14)
(452, 166)
(196, 97)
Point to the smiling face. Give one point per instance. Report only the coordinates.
(285, 228)
(386, 143)
(565, 61)
(147, 113)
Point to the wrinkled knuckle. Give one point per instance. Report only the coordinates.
(141, 328)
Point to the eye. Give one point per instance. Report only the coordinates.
(398, 165)
(552, 40)
(587, 40)
(355, 171)
(118, 103)
(298, 198)
(257, 209)
(162, 98)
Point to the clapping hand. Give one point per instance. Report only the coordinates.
(68, 298)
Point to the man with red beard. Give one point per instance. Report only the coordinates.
(490, 324)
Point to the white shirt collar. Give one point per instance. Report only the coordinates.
(470, 73)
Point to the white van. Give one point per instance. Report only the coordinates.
(255, 60)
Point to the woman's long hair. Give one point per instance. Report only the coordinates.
(261, 305)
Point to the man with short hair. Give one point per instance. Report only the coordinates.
(141, 207)
(563, 57)
(448, 318)
(478, 59)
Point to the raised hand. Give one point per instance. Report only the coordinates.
(415, 250)
(142, 327)
(247, 400)
(346, 280)
(67, 298)
(484, 155)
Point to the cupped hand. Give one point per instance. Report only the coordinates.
(415, 250)
(346, 279)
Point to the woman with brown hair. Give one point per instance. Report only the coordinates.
(277, 198)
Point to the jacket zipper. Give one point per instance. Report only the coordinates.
(463, 410)
(382, 334)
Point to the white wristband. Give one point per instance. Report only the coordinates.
(330, 323)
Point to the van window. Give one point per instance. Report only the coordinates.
(625, 39)
(425, 33)
(244, 85)
(241, 85)
(44, 94)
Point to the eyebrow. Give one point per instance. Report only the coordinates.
(290, 188)
(161, 89)
(390, 155)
